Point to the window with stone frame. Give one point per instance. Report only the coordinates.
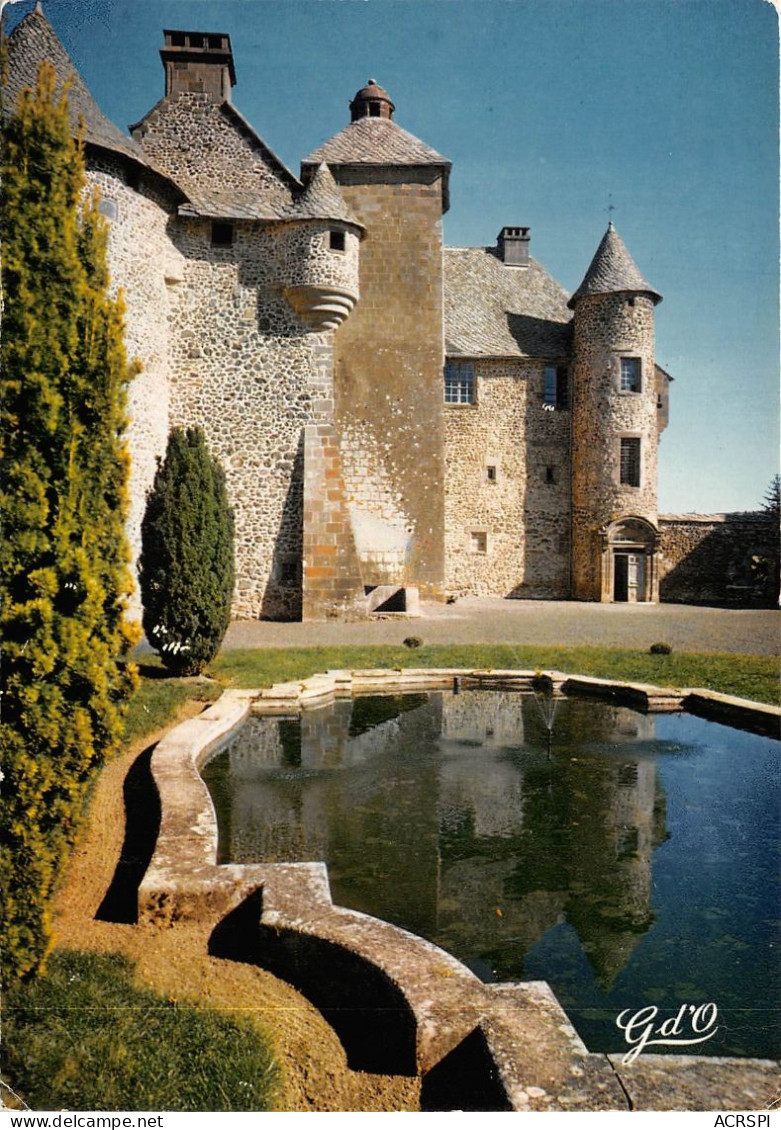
(555, 391)
(460, 382)
(630, 461)
(478, 541)
(631, 369)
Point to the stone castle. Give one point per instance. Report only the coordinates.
(394, 417)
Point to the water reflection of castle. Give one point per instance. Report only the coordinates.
(455, 819)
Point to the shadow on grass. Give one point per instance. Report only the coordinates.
(142, 825)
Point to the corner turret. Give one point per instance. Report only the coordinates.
(615, 431)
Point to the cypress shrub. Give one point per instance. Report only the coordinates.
(64, 572)
(186, 567)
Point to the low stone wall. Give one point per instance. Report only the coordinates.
(719, 559)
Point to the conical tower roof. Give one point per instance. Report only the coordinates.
(612, 271)
(322, 200)
(31, 42)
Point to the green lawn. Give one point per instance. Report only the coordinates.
(748, 676)
(82, 1036)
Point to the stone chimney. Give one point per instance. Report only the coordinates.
(513, 246)
(198, 62)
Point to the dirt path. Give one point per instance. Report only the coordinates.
(315, 1076)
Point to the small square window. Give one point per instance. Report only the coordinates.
(336, 240)
(460, 382)
(222, 234)
(630, 374)
(478, 541)
(195, 41)
(108, 208)
(490, 473)
(630, 461)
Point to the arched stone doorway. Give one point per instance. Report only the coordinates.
(630, 571)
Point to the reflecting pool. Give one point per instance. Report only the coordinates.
(627, 859)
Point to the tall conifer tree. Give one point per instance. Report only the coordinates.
(63, 558)
(186, 568)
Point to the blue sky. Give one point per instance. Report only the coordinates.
(551, 111)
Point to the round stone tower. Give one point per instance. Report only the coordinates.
(615, 431)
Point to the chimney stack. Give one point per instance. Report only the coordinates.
(198, 62)
(513, 245)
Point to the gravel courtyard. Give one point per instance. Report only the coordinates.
(493, 620)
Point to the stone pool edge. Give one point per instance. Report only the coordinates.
(535, 1056)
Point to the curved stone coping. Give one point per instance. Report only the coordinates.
(538, 1059)
(318, 690)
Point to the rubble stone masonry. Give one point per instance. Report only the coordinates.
(145, 263)
(522, 504)
(608, 327)
(246, 370)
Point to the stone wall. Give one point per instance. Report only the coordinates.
(245, 368)
(208, 150)
(142, 261)
(608, 327)
(388, 377)
(719, 558)
(524, 512)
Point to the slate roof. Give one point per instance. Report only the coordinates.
(496, 311)
(322, 200)
(31, 42)
(375, 141)
(613, 270)
(232, 204)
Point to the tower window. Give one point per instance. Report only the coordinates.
(196, 41)
(550, 474)
(374, 109)
(490, 473)
(630, 374)
(215, 42)
(459, 382)
(177, 39)
(478, 541)
(630, 461)
(222, 234)
(336, 240)
(555, 392)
